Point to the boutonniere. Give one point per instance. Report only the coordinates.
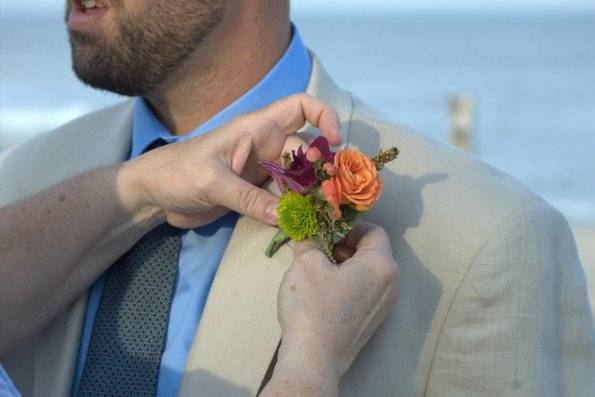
(325, 193)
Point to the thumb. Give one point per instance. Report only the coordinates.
(241, 196)
(308, 252)
(306, 245)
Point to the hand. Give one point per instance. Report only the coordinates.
(329, 312)
(197, 181)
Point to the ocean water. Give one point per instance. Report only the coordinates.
(532, 79)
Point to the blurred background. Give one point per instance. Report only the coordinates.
(512, 80)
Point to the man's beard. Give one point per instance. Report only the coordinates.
(148, 47)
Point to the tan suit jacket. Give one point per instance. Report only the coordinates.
(493, 298)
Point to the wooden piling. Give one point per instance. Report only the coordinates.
(461, 121)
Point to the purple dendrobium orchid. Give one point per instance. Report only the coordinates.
(300, 175)
(283, 177)
(321, 144)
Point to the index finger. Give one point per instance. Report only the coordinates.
(289, 114)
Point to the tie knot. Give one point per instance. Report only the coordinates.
(156, 144)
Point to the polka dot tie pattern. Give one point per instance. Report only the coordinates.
(129, 332)
(130, 326)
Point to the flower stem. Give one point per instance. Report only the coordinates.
(278, 240)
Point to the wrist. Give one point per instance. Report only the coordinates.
(134, 196)
(308, 367)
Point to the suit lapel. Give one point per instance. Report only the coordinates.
(239, 333)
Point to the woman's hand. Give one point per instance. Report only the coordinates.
(197, 181)
(329, 312)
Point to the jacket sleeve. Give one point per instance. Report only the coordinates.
(520, 323)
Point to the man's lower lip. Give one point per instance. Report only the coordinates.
(83, 20)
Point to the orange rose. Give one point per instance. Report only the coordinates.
(357, 182)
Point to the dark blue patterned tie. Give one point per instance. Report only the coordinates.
(130, 327)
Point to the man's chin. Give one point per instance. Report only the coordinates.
(101, 79)
(103, 84)
(95, 68)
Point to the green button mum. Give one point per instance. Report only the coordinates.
(297, 216)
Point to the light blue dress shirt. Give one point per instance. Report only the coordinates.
(7, 389)
(202, 248)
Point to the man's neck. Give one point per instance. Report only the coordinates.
(235, 56)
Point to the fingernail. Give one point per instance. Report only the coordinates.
(271, 213)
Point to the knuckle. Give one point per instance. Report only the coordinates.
(299, 97)
(243, 125)
(389, 273)
(308, 260)
(303, 257)
(331, 110)
(296, 101)
(379, 233)
(287, 102)
(250, 199)
(303, 95)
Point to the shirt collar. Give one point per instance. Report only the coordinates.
(288, 76)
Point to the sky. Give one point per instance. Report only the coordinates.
(358, 6)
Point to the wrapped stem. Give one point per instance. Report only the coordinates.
(277, 242)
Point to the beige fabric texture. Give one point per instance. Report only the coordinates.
(493, 299)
